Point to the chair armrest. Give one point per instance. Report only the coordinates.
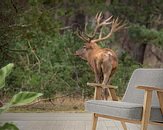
(150, 88)
(102, 85)
(148, 101)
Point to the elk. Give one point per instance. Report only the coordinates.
(103, 61)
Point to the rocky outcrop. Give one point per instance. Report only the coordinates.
(148, 54)
(153, 56)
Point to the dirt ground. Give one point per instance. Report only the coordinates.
(60, 104)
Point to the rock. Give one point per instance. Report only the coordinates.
(153, 56)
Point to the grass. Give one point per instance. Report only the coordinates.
(58, 105)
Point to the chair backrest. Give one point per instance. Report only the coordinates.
(147, 77)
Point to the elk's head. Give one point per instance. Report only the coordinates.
(86, 49)
(89, 39)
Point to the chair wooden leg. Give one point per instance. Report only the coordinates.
(124, 125)
(160, 98)
(113, 95)
(94, 122)
(146, 110)
(97, 93)
(144, 126)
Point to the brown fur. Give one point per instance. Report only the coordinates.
(103, 62)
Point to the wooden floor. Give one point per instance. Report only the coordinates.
(57, 121)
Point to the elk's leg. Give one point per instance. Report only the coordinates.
(106, 70)
(110, 92)
(112, 72)
(98, 72)
(106, 73)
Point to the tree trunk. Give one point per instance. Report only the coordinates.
(138, 52)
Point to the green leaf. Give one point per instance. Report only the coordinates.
(23, 98)
(8, 126)
(4, 72)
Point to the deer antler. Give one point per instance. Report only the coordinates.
(116, 25)
(98, 19)
(81, 36)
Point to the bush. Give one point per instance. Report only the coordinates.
(142, 34)
(50, 66)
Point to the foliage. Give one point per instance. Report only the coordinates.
(57, 69)
(4, 72)
(43, 57)
(31, 37)
(144, 19)
(125, 69)
(22, 98)
(142, 34)
(8, 126)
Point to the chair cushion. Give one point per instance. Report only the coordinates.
(125, 110)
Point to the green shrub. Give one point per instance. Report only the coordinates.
(142, 34)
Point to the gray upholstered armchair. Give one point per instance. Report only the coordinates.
(141, 104)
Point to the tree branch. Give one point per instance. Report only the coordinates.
(13, 4)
